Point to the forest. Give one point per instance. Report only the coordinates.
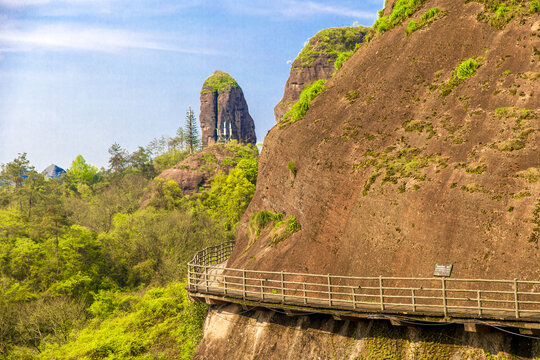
(92, 264)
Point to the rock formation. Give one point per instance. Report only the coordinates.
(224, 112)
(197, 170)
(316, 61)
(423, 149)
(53, 171)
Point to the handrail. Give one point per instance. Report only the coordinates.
(470, 298)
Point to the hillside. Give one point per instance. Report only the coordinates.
(422, 149)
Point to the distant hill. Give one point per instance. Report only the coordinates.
(53, 171)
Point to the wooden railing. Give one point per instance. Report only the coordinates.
(469, 298)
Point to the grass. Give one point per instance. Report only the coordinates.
(300, 108)
(522, 116)
(425, 19)
(284, 229)
(352, 95)
(406, 162)
(463, 71)
(476, 168)
(532, 174)
(402, 10)
(260, 219)
(498, 13)
(419, 126)
(217, 82)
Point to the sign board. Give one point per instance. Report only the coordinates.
(442, 270)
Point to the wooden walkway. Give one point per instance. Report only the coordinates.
(442, 298)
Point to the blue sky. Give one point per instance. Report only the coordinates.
(77, 76)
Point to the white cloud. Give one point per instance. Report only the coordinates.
(81, 38)
(294, 9)
(118, 8)
(298, 8)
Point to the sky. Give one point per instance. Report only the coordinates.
(77, 76)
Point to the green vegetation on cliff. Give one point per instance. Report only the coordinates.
(498, 13)
(402, 10)
(462, 72)
(332, 43)
(425, 19)
(218, 81)
(300, 108)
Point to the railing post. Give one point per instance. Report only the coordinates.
(443, 280)
(516, 301)
(224, 285)
(262, 289)
(243, 284)
(413, 301)
(206, 277)
(329, 291)
(305, 298)
(189, 276)
(479, 303)
(381, 294)
(282, 287)
(353, 297)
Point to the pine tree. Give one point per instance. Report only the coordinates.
(191, 132)
(118, 159)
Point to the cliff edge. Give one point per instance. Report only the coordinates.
(319, 59)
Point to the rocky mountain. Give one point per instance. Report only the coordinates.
(423, 149)
(53, 171)
(319, 59)
(224, 112)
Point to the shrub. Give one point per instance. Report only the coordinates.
(300, 108)
(462, 72)
(342, 57)
(425, 19)
(402, 10)
(292, 168)
(534, 7)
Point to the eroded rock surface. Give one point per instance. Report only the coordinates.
(233, 333)
(224, 112)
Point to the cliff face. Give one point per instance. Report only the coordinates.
(423, 149)
(233, 333)
(316, 61)
(224, 112)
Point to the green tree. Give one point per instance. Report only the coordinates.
(190, 132)
(16, 171)
(119, 158)
(141, 162)
(81, 172)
